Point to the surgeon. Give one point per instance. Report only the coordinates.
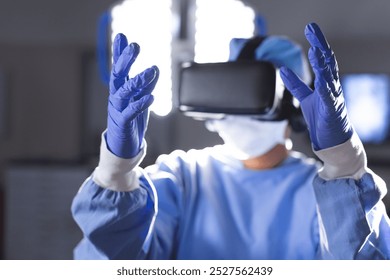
(250, 198)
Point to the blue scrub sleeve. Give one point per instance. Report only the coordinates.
(115, 224)
(116, 209)
(352, 217)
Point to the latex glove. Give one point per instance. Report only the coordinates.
(128, 100)
(324, 107)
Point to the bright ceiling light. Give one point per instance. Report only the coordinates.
(217, 22)
(367, 98)
(149, 23)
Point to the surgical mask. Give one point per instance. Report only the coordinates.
(246, 138)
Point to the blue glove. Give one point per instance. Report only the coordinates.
(324, 107)
(128, 101)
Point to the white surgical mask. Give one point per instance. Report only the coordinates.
(247, 138)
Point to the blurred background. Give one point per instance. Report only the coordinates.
(54, 61)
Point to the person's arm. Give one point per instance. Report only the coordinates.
(352, 218)
(129, 217)
(116, 207)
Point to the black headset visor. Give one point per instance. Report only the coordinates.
(212, 90)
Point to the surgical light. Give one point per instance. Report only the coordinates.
(149, 23)
(217, 22)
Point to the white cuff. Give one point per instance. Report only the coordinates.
(116, 173)
(347, 160)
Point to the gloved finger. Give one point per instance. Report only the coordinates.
(317, 61)
(119, 44)
(139, 82)
(126, 59)
(317, 39)
(121, 68)
(137, 107)
(148, 88)
(323, 82)
(294, 84)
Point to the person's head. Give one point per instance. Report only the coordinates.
(248, 137)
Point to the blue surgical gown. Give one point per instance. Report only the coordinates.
(202, 205)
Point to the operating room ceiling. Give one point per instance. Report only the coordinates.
(354, 19)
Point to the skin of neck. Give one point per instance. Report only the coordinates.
(270, 159)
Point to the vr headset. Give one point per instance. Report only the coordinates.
(212, 90)
(243, 87)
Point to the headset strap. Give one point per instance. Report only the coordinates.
(248, 51)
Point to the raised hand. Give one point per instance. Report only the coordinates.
(129, 100)
(323, 107)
